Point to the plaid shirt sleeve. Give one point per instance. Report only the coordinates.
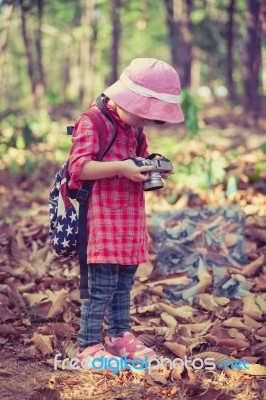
(85, 147)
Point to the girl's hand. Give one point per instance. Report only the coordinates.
(164, 175)
(136, 174)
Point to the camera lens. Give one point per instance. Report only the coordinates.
(154, 182)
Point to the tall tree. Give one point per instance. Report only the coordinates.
(187, 42)
(173, 32)
(4, 36)
(180, 37)
(41, 83)
(230, 58)
(28, 50)
(116, 29)
(257, 67)
(252, 55)
(87, 45)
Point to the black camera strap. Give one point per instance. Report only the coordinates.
(153, 155)
(150, 157)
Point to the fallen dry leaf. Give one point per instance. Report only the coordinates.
(234, 322)
(251, 268)
(208, 302)
(260, 283)
(250, 307)
(171, 323)
(59, 303)
(251, 323)
(183, 312)
(7, 329)
(234, 343)
(262, 331)
(144, 271)
(148, 340)
(58, 329)
(34, 299)
(6, 314)
(176, 348)
(45, 344)
(157, 377)
(261, 301)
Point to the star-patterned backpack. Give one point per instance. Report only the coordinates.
(68, 207)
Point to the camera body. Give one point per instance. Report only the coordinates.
(154, 181)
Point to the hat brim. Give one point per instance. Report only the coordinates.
(145, 107)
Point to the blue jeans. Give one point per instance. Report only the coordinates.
(109, 291)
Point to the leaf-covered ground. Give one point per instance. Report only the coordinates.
(39, 298)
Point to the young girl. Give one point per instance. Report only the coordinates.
(148, 91)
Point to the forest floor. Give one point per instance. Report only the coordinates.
(39, 298)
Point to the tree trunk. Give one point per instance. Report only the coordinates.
(187, 42)
(116, 29)
(252, 55)
(27, 45)
(41, 84)
(86, 52)
(181, 37)
(257, 68)
(66, 76)
(4, 37)
(230, 58)
(174, 38)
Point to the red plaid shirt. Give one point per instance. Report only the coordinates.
(116, 220)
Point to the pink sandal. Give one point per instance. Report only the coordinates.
(87, 359)
(128, 346)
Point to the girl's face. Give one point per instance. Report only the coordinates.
(130, 119)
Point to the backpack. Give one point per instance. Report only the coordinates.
(68, 207)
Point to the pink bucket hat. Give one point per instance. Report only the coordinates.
(150, 89)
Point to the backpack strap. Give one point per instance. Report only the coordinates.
(101, 129)
(140, 141)
(83, 193)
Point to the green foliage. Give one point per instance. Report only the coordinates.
(144, 30)
(210, 25)
(29, 166)
(169, 146)
(190, 107)
(231, 186)
(26, 140)
(21, 132)
(201, 172)
(260, 167)
(263, 147)
(53, 98)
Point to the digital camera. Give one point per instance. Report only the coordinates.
(154, 181)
